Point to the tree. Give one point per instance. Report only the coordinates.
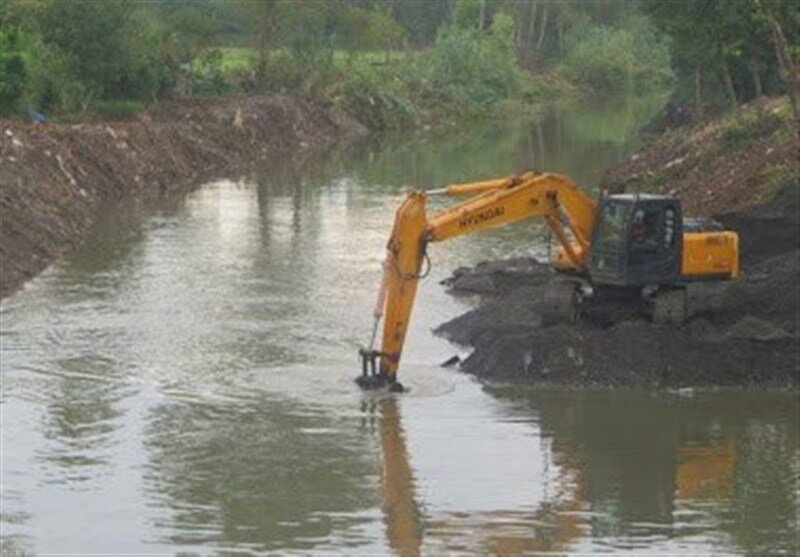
(730, 40)
(13, 71)
(111, 46)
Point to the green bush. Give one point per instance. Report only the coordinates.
(13, 70)
(36, 75)
(208, 75)
(612, 59)
(473, 67)
(741, 130)
(373, 103)
(112, 47)
(283, 72)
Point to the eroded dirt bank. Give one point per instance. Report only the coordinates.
(742, 333)
(54, 176)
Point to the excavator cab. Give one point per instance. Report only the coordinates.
(637, 241)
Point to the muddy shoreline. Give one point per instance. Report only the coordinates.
(53, 177)
(739, 334)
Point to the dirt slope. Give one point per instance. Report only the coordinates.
(53, 177)
(723, 165)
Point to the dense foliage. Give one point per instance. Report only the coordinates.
(631, 56)
(392, 62)
(731, 49)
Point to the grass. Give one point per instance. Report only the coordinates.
(243, 57)
(386, 90)
(780, 176)
(753, 124)
(741, 131)
(237, 57)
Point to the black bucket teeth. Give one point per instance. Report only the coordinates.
(371, 379)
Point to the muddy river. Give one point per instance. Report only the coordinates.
(183, 384)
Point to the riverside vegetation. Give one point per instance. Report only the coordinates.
(391, 64)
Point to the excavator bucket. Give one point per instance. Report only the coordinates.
(371, 379)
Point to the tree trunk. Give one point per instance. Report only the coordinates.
(757, 85)
(698, 93)
(520, 29)
(561, 35)
(728, 79)
(264, 36)
(790, 68)
(542, 29)
(481, 15)
(527, 44)
(532, 22)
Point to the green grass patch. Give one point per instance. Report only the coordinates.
(237, 58)
(780, 176)
(740, 130)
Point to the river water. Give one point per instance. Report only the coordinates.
(183, 384)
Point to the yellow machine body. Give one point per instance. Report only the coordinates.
(710, 255)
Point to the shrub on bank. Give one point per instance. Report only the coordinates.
(632, 57)
(376, 103)
(474, 67)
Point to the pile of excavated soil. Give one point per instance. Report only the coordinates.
(740, 333)
(54, 176)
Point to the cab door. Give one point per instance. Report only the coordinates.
(654, 242)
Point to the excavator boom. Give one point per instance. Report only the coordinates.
(494, 203)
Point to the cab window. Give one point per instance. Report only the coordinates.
(646, 229)
(612, 224)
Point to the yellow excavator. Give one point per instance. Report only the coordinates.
(623, 246)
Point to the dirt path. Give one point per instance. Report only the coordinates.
(54, 176)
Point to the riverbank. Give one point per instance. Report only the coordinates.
(53, 177)
(742, 333)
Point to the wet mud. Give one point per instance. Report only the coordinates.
(741, 333)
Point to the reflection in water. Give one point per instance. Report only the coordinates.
(576, 139)
(402, 514)
(624, 479)
(260, 473)
(551, 527)
(659, 467)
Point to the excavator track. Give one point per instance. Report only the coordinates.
(561, 302)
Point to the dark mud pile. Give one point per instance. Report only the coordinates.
(54, 176)
(741, 333)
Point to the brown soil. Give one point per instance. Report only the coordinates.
(740, 333)
(720, 166)
(54, 176)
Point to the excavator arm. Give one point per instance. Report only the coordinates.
(494, 203)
